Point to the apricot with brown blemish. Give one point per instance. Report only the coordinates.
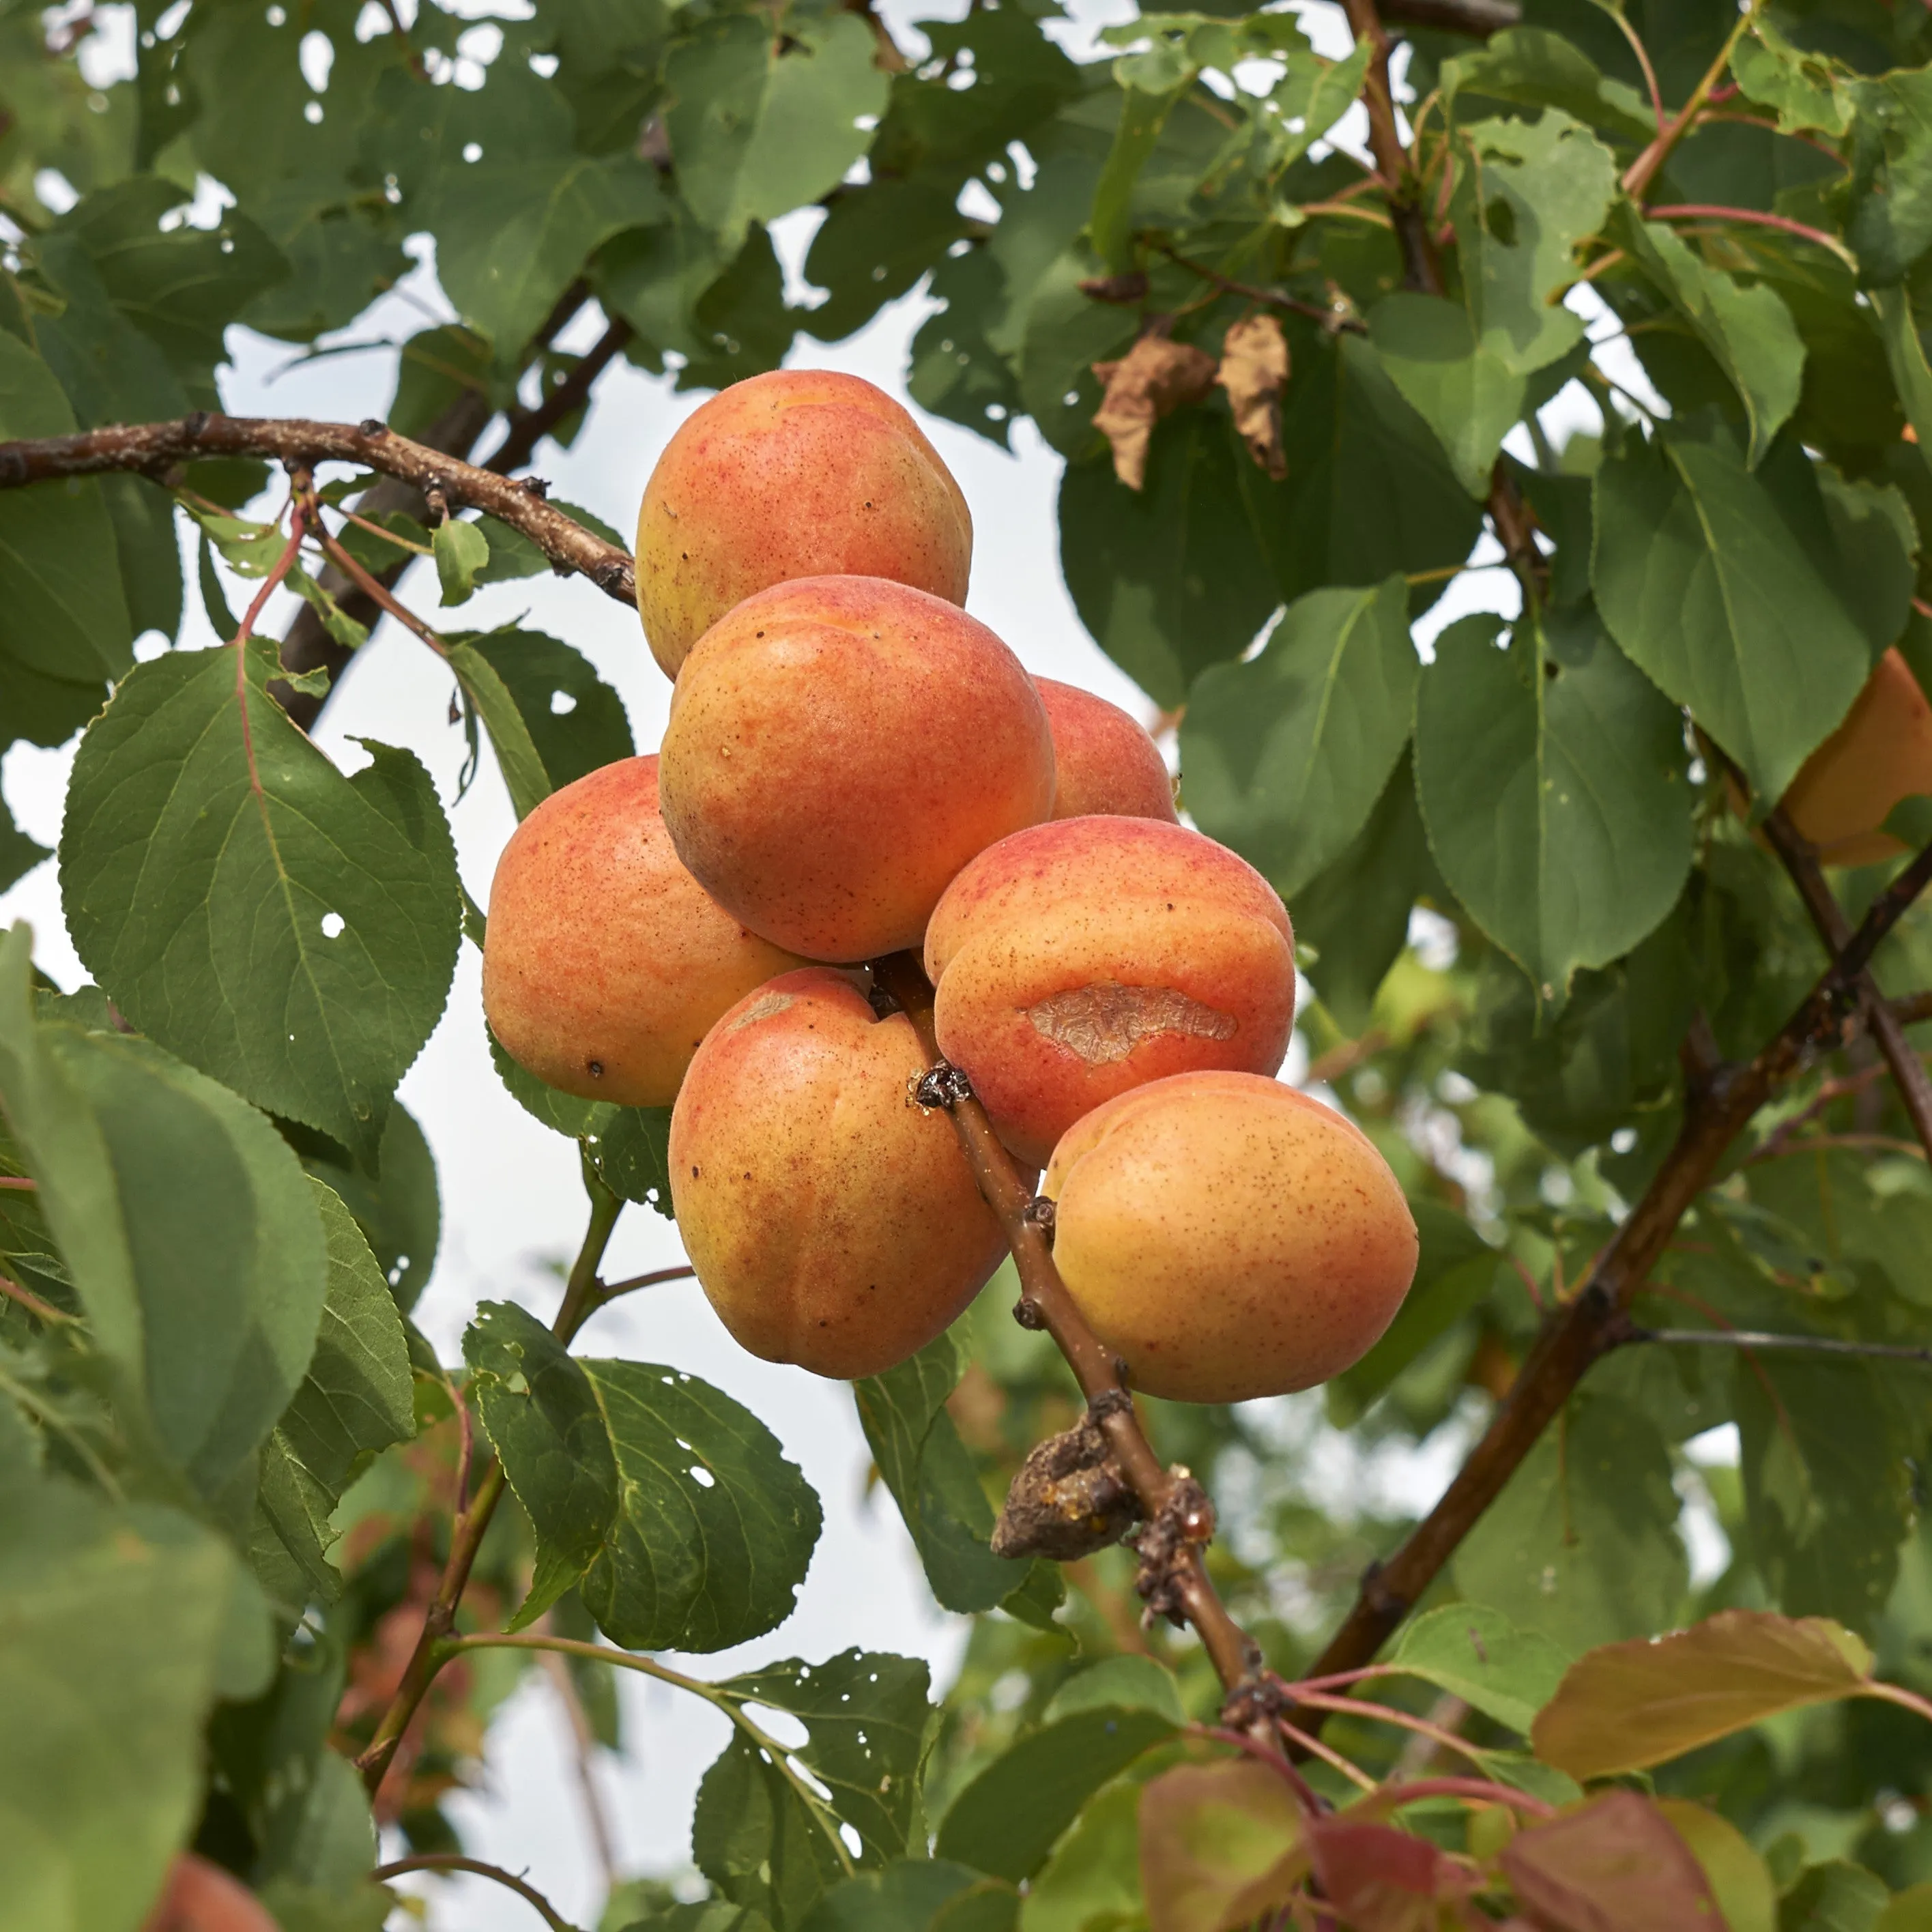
(1229, 1237)
(605, 961)
(832, 1223)
(1081, 958)
(799, 473)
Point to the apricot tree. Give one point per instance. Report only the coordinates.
(1590, 922)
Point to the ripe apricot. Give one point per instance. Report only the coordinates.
(605, 962)
(1105, 761)
(1881, 754)
(838, 747)
(1080, 958)
(1229, 1236)
(832, 1222)
(200, 1897)
(798, 473)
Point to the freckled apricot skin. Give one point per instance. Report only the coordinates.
(832, 1223)
(1881, 754)
(1079, 959)
(605, 962)
(200, 1897)
(800, 472)
(1106, 763)
(1228, 1236)
(839, 748)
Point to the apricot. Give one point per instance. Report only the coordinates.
(1080, 958)
(1105, 760)
(839, 748)
(1881, 754)
(1229, 1237)
(200, 1897)
(798, 473)
(832, 1222)
(605, 962)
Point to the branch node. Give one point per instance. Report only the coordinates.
(1069, 1498)
(1026, 1313)
(372, 427)
(943, 1087)
(198, 422)
(537, 486)
(1041, 1212)
(1167, 1546)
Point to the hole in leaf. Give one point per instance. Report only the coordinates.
(333, 925)
(562, 703)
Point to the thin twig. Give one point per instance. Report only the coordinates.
(528, 428)
(1642, 172)
(1332, 318)
(608, 1291)
(1756, 218)
(584, 1741)
(1643, 61)
(42, 1311)
(454, 1862)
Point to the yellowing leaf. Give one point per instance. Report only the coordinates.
(1220, 1844)
(1739, 1879)
(1626, 1705)
(1254, 372)
(1154, 378)
(1614, 1865)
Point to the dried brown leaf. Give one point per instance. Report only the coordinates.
(1254, 372)
(1154, 378)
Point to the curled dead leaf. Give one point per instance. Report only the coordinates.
(1254, 372)
(1154, 378)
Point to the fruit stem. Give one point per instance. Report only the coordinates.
(454, 1862)
(1045, 1303)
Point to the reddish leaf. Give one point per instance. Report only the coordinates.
(1380, 1879)
(1627, 1705)
(1614, 1865)
(1152, 380)
(1254, 372)
(1220, 1844)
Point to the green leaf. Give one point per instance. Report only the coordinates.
(115, 1621)
(1094, 1876)
(550, 717)
(1221, 1844)
(917, 1895)
(926, 1467)
(867, 1728)
(1748, 329)
(1807, 92)
(1143, 114)
(760, 123)
(1354, 919)
(1627, 1706)
(1006, 1820)
(562, 1113)
(1889, 224)
(287, 929)
(1478, 1655)
(1554, 791)
(19, 854)
(1536, 68)
(1369, 491)
(541, 1413)
(1905, 352)
(461, 550)
(398, 1208)
(1538, 190)
(1581, 1546)
(1168, 578)
(716, 1528)
(62, 613)
(45, 710)
(1723, 586)
(1284, 754)
(357, 1398)
(148, 545)
(189, 1229)
(1465, 392)
(1837, 1896)
(1827, 1458)
(1123, 1683)
(633, 1154)
(875, 242)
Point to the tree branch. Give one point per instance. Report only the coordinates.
(1164, 1495)
(1719, 1104)
(1908, 1070)
(153, 449)
(454, 1862)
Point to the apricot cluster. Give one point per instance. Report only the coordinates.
(854, 767)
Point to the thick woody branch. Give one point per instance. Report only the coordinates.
(1719, 1103)
(1045, 1303)
(154, 449)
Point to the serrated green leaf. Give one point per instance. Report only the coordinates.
(916, 1895)
(19, 854)
(1465, 392)
(1554, 789)
(517, 758)
(1724, 587)
(633, 1154)
(357, 1398)
(461, 549)
(761, 123)
(115, 1621)
(715, 1527)
(1478, 1654)
(287, 929)
(1747, 327)
(541, 1412)
(868, 1727)
(562, 1113)
(1581, 1546)
(398, 1208)
(1284, 754)
(1806, 91)
(1889, 222)
(925, 1466)
(190, 1232)
(1536, 68)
